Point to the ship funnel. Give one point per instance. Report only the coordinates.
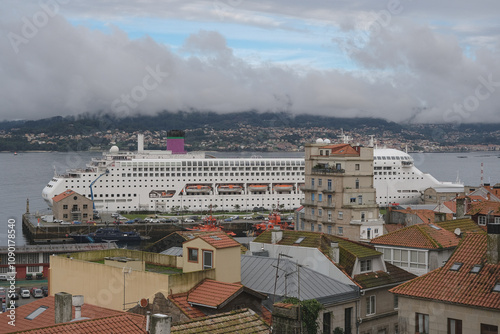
(175, 141)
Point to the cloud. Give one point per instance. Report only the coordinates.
(406, 71)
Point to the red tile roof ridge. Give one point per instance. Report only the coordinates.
(63, 195)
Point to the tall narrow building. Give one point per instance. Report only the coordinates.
(339, 195)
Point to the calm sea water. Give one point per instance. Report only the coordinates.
(23, 176)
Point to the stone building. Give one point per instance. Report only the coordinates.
(339, 194)
(71, 206)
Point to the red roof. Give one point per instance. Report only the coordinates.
(484, 208)
(63, 195)
(219, 240)
(342, 149)
(47, 318)
(180, 300)
(460, 286)
(212, 293)
(419, 236)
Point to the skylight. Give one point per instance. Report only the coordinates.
(476, 268)
(456, 266)
(36, 312)
(299, 240)
(434, 227)
(496, 288)
(215, 237)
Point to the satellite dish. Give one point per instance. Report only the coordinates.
(144, 302)
(457, 231)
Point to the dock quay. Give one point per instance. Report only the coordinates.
(40, 232)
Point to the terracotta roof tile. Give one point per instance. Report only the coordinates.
(212, 293)
(242, 321)
(180, 300)
(465, 225)
(219, 240)
(460, 286)
(341, 149)
(484, 207)
(63, 195)
(419, 236)
(125, 323)
(47, 318)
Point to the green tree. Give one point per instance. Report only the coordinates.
(309, 312)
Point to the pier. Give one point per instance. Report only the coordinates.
(40, 232)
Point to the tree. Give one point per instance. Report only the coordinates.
(237, 207)
(309, 312)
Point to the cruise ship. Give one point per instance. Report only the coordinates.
(173, 179)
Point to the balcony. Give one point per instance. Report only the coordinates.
(327, 205)
(327, 171)
(327, 190)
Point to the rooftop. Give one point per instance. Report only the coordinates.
(241, 321)
(456, 282)
(394, 275)
(211, 293)
(47, 318)
(426, 236)
(219, 240)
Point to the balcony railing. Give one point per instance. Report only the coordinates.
(327, 171)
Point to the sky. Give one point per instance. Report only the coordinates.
(406, 61)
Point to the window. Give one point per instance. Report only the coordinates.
(454, 326)
(312, 212)
(396, 301)
(312, 197)
(353, 200)
(482, 220)
(366, 265)
(421, 323)
(456, 266)
(85, 206)
(320, 197)
(329, 228)
(370, 305)
(489, 329)
(340, 230)
(320, 182)
(327, 322)
(312, 227)
(207, 259)
(341, 215)
(65, 206)
(357, 183)
(329, 184)
(312, 182)
(320, 227)
(356, 167)
(360, 199)
(329, 215)
(193, 255)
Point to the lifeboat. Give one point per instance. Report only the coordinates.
(283, 188)
(230, 188)
(198, 189)
(257, 187)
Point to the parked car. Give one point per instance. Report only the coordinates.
(259, 217)
(189, 220)
(65, 223)
(130, 221)
(14, 296)
(117, 222)
(76, 222)
(45, 290)
(25, 293)
(36, 292)
(228, 219)
(115, 215)
(91, 222)
(247, 217)
(235, 217)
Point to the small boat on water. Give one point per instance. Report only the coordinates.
(106, 234)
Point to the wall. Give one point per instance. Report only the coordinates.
(103, 285)
(438, 312)
(152, 258)
(228, 264)
(200, 245)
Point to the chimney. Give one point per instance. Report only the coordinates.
(334, 251)
(493, 246)
(140, 143)
(63, 307)
(77, 303)
(460, 207)
(160, 324)
(175, 141)
(276, 236)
